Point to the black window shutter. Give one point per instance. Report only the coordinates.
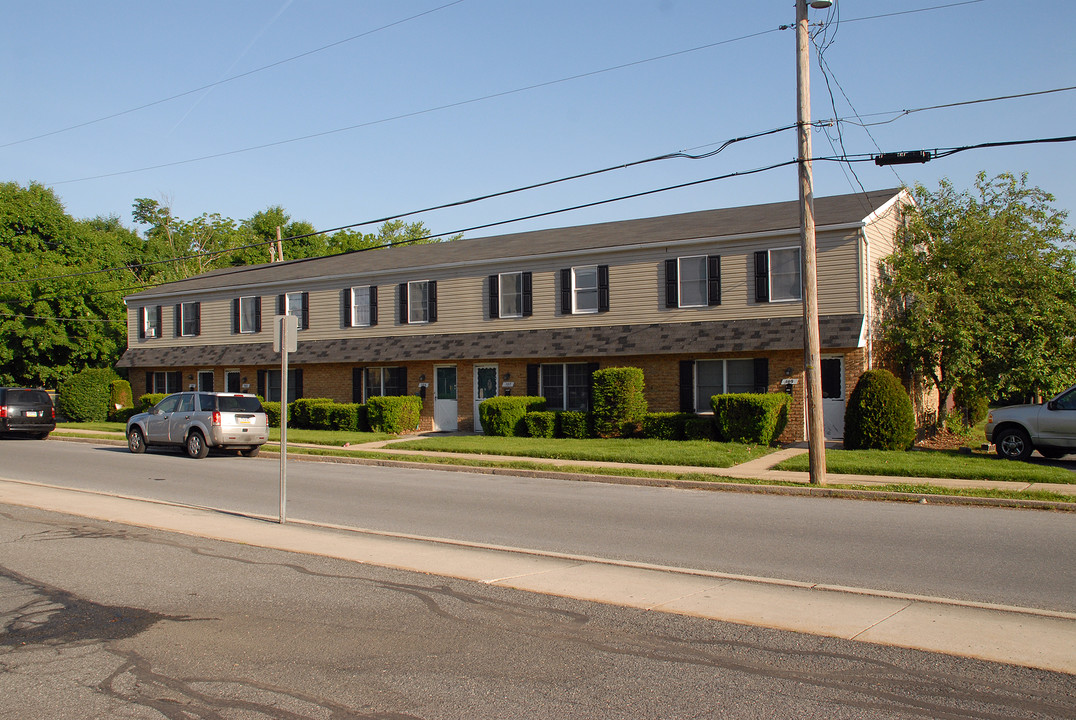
(160, 321)
(304, 321)
(762, 276)
(493, 292)
(177, 320)
(298, 383)
(528, 295)
(281, 304)
(258, 314)
(345, 306)
(432, 299)
(356, 385)
(762, 375)
(177, 381)
(603, 288)
(672, 296)
(149, 381)
(402, 296)
(197, 318)
(687, 386)
(261, 384)
(713, 280)
(142, 325)
(235, 315)
(566, 291)
(403, 380)
(532, 379)
(373, 304)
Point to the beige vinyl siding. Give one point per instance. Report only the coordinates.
(636, 294)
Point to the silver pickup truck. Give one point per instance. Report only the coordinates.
(1049, 428)
(198, 421)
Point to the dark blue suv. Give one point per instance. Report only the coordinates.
(26, 411)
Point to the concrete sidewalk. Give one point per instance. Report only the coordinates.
(1021, 636)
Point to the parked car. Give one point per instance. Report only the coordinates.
(1049, 428)
(198, 421)
(23, 410)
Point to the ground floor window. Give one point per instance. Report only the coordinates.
(566, 386)
(386, 381)
(232, 381)
(269, 385)
(166, 382)
(700, 380)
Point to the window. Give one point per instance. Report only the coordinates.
(149, 322)
(388, 381)
(188, 319)
(269, 385)
(693, 281)
(247, 314)
(166, 382)
(510, 295)
(295, 304)
(205, 380)
(566, 386)
(700, 380)
(777, 275)
(584, 289)
(418, 302)
(231, 381)
(360, 306)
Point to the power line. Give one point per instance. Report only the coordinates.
(229, 79)
(901, 113)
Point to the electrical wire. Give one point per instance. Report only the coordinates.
(901, 113)
(229, 79)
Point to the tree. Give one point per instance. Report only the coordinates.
(981, 292)
(57, 316)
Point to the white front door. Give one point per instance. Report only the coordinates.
(445, 409)
(485, 387)
(833, 397)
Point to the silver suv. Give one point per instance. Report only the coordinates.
(197, 421)
(1049, 428)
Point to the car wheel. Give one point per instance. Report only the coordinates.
(1052, 453)
(1013, 443)
(196, 447)
(136, 443)
(253, 452)
(45, 436)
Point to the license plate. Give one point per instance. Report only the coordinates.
(245, 420)
(33, 413)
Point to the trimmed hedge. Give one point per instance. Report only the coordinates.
(879, 415)
(344, 416)
(86, 396)
(301, 413)
(752, 418)
(699, 428)
(573, 424)
(666, 425)
(147, 401)
(503, 416)
(272, 413)
(394, 414)
(541, 424)
(617, 401)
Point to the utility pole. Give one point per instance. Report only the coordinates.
(816, 440)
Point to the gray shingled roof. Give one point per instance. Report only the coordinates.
(734, 336)
(773, 217)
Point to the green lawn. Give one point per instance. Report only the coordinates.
(933, 464)
(699, 453)
(314, 437)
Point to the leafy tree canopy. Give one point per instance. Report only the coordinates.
(981, 291)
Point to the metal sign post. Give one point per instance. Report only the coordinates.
(285, 335)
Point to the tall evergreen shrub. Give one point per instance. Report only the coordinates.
(617, 401)
(86, 396)
(879, 415)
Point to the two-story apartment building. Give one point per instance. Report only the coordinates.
(704, 302)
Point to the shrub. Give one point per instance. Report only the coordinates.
(879, 415)
(618, 403)
(145, 402)
(344, 416)
(86, 396)
(502, 416)
(120, 394)
(972, 404)
(665, 426)
(573, 424)
(699, 428)
(541, 424)
(752, 418)
(272, 413)
(394, 414)
(308, 413)
(122, 415)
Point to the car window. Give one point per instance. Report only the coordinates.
(168, 404)
(186, 403)
(1067, 401)
(207, 402)
(233, 403)
(28, 397)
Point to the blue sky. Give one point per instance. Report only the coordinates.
(68, 63)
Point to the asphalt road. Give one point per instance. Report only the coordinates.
(101, 620)
(1013, 557)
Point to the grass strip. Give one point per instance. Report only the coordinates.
(933, 464)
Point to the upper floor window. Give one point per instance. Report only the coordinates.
(188, 319)
(247, 314)
(296, 304)
(584, 289)
(418, 302)
(693, 281)
(360, 305)
(777, 275)
(149, 322)
(510, 295)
